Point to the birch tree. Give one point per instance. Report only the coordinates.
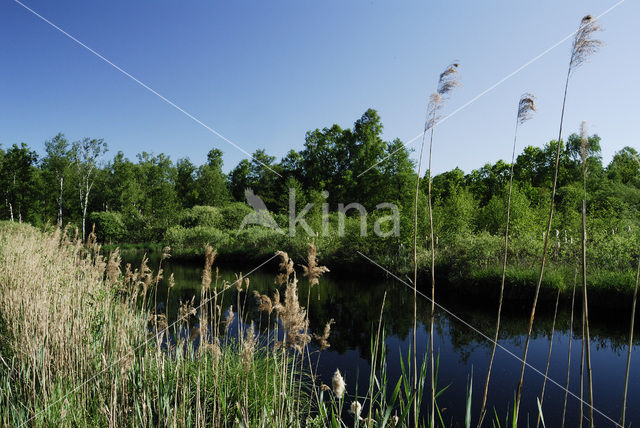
(85, 155)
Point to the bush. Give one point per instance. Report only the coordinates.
(109, 226)
(202, 216)
(234, 213)
(196, 238)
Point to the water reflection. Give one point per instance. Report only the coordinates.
(354, 304)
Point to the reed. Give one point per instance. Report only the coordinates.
(583, 46)
(631, 328)
(566, 388)
(447, 81)
(628, 364)
(584, 151)
(526, 107)
(546, 370)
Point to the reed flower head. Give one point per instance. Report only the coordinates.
(294, 317)
(247, 347)
(264, 302)
(338, 384)
(238, 282)
(229, 319)
(286, 268)
(584, 142)
(447, 81)
(526, 107)
(312, 270)
(356, 410)
(324, 338)
(186, 310)
(113, 266)
(584, 44)
(166, 252)
(209, 257)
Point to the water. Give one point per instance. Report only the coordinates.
(354, 304)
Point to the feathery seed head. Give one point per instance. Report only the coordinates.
(448, 79)
(229, 319)
(324, 338)
(356, 409)
(312, 270)
(526, 107)
(286, 268)
(584, 44)
(584, 142)
(338, 384)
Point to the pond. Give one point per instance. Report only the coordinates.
(354, 304)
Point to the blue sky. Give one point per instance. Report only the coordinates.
(264, 73)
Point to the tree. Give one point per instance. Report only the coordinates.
(239, 179)
(85, 154)
(625, 166)
(211, 183)
(56, 163)
(17, 179)
(157, 176)
(186, 183)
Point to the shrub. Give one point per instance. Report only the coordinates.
(109, 226)
(234, 213)
(202, 216)
(196, 237)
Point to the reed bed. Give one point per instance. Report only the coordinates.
(83, 345)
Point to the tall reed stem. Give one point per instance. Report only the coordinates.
(433, 289)
(544, 249)
(583, 46)
(566, 389)
(525, 107)
(546, 370)
(415, 284)
(626, 371)
(584, 287)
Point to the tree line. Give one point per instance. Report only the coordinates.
(73, 182)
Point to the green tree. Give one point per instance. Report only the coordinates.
(186, 183)
(211, 183)
(85, 154)
(17, 180)
(56, 165)
(625, 166)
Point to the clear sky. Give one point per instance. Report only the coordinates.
(264, 73)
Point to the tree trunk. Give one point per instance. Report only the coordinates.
(60, 202)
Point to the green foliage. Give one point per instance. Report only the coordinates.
(109, 226)
(196, 238)
(202, 216)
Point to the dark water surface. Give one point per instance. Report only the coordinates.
(355, 306)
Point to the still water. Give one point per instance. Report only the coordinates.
(354, 304)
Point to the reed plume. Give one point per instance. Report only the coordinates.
(526, 108)
(312, 270)
(583, 46)
(447, 81)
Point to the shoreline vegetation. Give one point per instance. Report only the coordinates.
(471, 267)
